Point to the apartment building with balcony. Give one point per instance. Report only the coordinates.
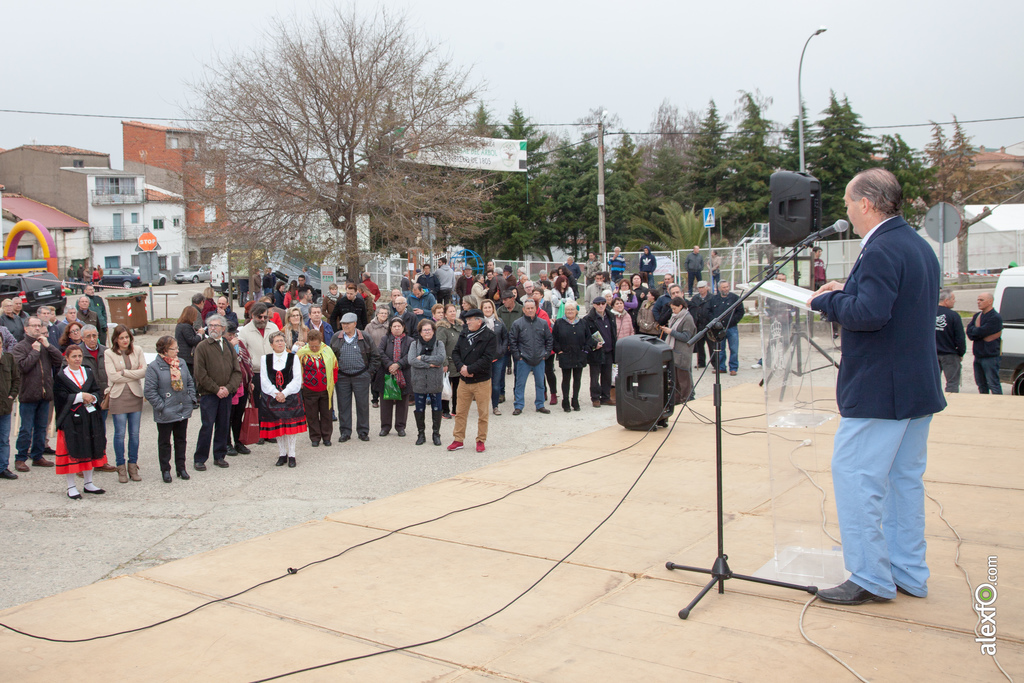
(117, 205)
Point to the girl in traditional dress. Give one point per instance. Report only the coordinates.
(282, 415)
(81, 437)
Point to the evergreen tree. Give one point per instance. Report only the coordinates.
(708, 165)
(624, 198)
(515, 210)
(483, 125)
(908, 165)
(951, 160)
(789, 157)
(571, 186)
(753, 157)
(840, 149)
(666, 179)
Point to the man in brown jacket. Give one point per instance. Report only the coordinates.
(218, 376)
(85, 315)
(10, 384)
(36, 358)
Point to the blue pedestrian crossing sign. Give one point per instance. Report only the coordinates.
(709, 217)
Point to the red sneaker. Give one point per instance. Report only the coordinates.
(455, 446)
(480, 448)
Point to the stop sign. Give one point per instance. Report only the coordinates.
(147, 241)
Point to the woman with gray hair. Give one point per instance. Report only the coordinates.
(169, 388)
(282, 415)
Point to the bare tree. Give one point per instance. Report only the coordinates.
(320, 126)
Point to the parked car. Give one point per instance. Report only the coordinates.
(197, 274)
(1009, 301)
(121, 277)
(34, 290)
(162, 281)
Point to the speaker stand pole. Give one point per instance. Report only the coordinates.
(720, 571)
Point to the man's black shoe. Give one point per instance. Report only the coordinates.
(344, 437)
(899, 588)
(199, 467)
(517, 411)
(221, 463)
(544, 410)
(7, 474)
(244, 450)
(364, 437)
(849, 593)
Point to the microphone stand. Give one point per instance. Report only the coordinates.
(715, 331)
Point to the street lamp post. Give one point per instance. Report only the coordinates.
(601, 235)
(800, 98)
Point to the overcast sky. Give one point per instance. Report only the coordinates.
(897, 62)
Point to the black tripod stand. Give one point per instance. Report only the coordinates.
(720, 571)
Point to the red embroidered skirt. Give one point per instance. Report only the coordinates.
(66, 465)
(279, 419)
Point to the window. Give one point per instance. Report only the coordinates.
(78, 163)
(177, 222)
(110, 262)
(172, 143)
(135, 218)
(211, 214)
(162, 262)
(114, 185)
(209, 179)
(158, 223)
(1011, 308)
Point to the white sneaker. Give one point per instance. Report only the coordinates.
(755, 366)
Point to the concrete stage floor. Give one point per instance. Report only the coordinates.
(607, 613)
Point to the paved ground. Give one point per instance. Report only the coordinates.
(52, 544)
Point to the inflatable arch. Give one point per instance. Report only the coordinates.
(11, 265)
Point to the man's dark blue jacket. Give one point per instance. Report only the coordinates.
(887, 310)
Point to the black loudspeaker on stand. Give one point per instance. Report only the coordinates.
(715, 331)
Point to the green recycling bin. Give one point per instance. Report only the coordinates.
(128, 310)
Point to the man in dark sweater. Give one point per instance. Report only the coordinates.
(717, 306)
(352, 302)
(36, 358)
(985, 330)
(600, 352)
(950, 343)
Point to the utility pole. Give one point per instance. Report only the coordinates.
(600, 192)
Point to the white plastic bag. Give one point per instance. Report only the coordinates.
(446, 389)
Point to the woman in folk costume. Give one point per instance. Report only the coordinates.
(319, 372)
(282, 415)
(81, 437)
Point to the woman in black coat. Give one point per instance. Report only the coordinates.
(394, 357)
(570, 337)
(187, 336)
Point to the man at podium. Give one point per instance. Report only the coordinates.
(887, 390)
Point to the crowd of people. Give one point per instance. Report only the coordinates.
(293, 362)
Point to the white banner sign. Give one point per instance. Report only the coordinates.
(490, 154)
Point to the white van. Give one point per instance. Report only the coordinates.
(1009, 302)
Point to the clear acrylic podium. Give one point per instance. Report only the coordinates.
(799, 389)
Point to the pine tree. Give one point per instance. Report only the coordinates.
(483, 126)
(572, 220)
(907, 164)
(840, 149)
(515, 208)
(753, 157)
(708, 165)
(625, 199)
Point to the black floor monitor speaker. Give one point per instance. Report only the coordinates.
(644, 381)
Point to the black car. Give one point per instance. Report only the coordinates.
(34, 290)
(121, 277)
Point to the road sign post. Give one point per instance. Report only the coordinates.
(942, 223)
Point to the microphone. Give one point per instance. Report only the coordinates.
(839, 226)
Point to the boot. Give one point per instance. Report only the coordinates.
(122, 474)
(565, 404)
(554, 399)
(133, 471)
(576, 404)
(436, 433)
(421, 419)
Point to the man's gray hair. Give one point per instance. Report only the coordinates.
(198, 299)
(945, 293)
(217, 319)
(86, 329)
(48, 309)
(879, 187)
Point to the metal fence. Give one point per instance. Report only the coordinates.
(387, 272)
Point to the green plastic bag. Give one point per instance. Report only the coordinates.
(392, 392)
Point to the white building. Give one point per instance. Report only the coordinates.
(992, 244)
(122, 206)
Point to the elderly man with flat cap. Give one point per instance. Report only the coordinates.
(474, 352)
(358, 357)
